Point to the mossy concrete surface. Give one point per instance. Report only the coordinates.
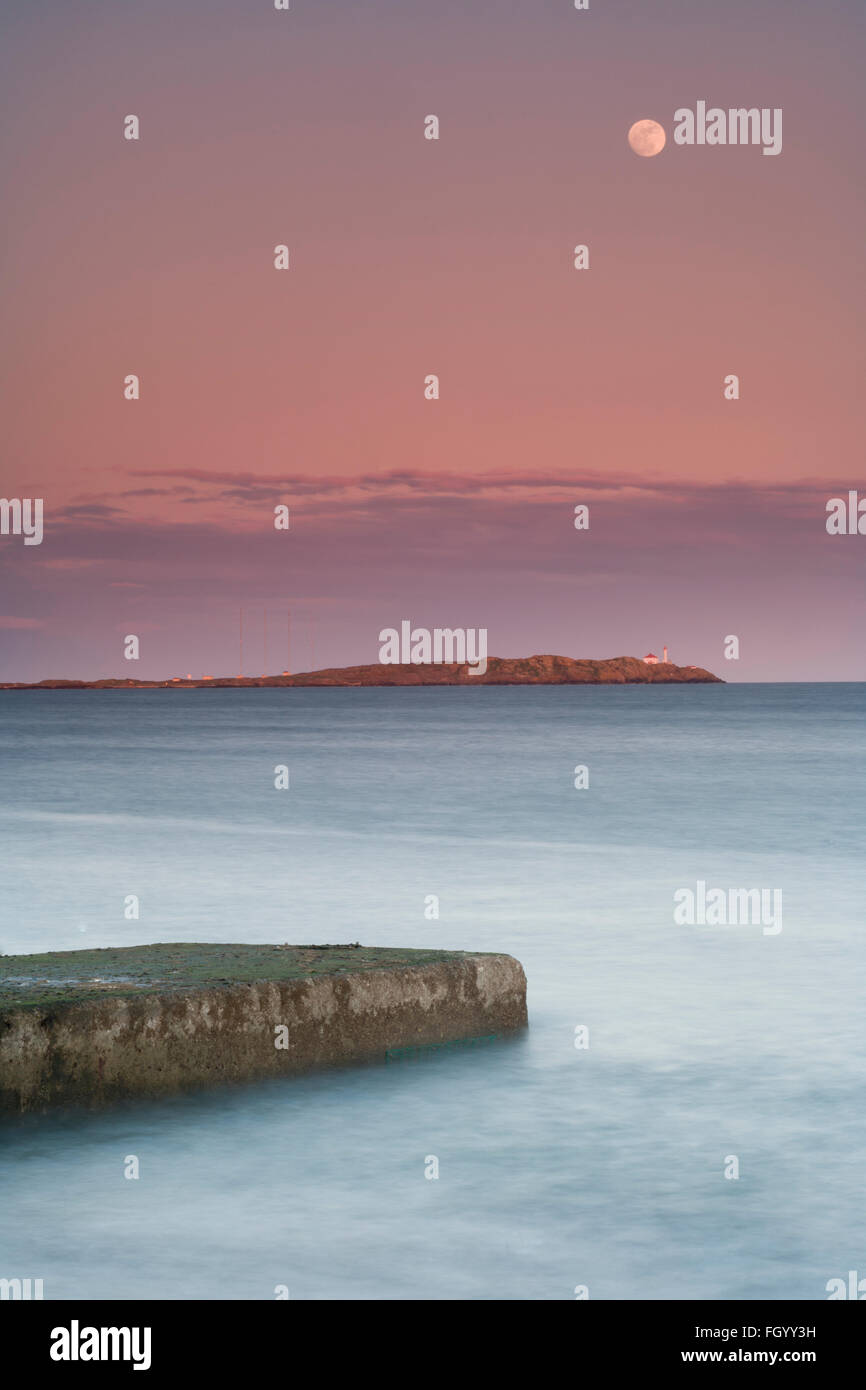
(65, 977)
(92, 1027)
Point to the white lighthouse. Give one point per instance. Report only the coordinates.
(665, 657)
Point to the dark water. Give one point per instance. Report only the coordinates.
(558, 1167)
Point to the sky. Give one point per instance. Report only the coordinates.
(411, 257)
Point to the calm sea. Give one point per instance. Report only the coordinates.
(601, 1166)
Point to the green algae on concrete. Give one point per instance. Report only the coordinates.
(67, 977)
(95, 1027)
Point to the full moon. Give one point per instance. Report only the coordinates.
(647, 138)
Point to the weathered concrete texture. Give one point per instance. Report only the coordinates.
(101, 1049)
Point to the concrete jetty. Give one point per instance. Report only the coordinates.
(95, 1027)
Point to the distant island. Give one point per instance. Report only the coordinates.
(508, 670)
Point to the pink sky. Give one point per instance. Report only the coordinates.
(412, 257)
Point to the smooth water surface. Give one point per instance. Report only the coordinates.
(558, 1167)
